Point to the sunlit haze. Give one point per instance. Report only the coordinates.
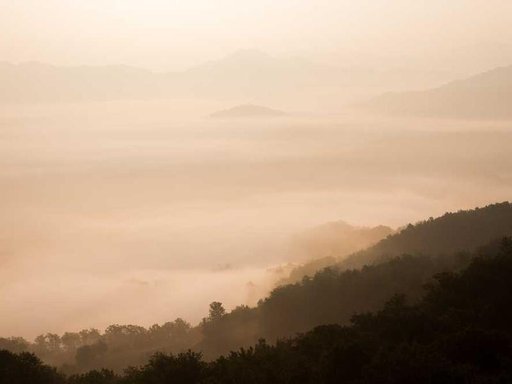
(169, 35)
(160, 157)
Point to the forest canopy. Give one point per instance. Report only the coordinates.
(460, 331)
(398, 265)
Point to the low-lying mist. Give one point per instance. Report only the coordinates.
(140, 212)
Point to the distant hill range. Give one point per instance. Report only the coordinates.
(247, 111)
(244, 74)
(485, 96)
(38, 82)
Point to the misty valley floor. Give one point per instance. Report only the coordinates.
(145, 212)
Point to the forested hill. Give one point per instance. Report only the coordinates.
(399, 264)
(460, 332)
(452, 232)
(332, 296)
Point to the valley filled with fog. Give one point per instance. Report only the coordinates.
(143, 211)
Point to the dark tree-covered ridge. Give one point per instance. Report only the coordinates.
(459, 332)
(331, 296)
(452, 232)
(464, 230)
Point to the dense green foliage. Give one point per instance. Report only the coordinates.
(459, 332)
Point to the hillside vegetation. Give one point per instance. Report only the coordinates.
(459, 332)
(452, 232)
(398, 265)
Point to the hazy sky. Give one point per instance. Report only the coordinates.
(167, 34)
(111, 210)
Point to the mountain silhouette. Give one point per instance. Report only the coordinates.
(462, 231)
(487, 95)
(244, 74)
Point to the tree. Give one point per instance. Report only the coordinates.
(88, 355)
(14, 344)
(47, 343)
(26, 368)
(216, 311)
(89, 336)
(71, 341)
(103, 376)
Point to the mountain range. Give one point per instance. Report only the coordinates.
(244, 75)
(486, 95)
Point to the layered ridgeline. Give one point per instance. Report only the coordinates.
(331, 296)
(459, 332)
(487, 95)
(327, 244)
(245, 74)
(452, 232)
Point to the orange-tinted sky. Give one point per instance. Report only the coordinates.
(164, 34)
